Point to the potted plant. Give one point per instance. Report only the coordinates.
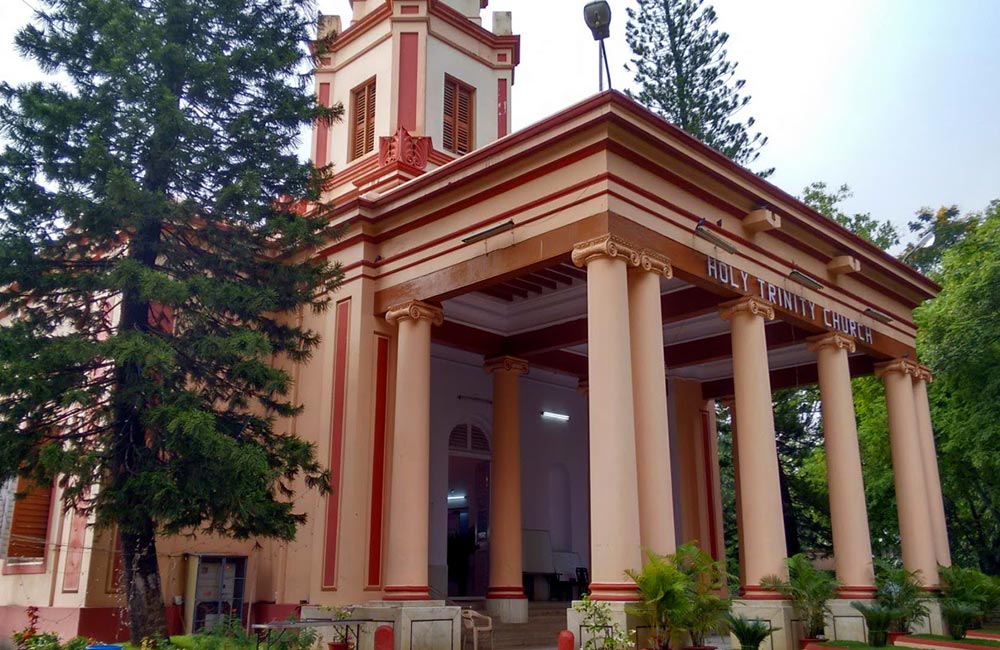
(809, 589)
(750, 633)
(959, 615)
(341, 632)
(902, 591)
(879, 618)
(706, 578)
(602, 633)
(972, 587)
(666, 601)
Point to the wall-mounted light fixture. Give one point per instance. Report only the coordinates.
(560, 417)
(702, 231)
(455, 498)
(489, 232)
(803, 279)
(881, 317)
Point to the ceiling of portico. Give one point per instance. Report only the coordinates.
(549, 329)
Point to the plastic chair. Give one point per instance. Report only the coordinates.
(474, 624)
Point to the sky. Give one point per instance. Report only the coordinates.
(899, 99)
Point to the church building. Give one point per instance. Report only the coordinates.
(518, 381)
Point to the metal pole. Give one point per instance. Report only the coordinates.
(607, 68)
(600, 65)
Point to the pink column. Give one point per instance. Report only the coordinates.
(763, 526)
(649, 390)
(915, 529)
(614, 499)
(505, 493)
(942, 548)
(409, 509)
(852, 545)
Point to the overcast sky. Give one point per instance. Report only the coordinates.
(900, 99)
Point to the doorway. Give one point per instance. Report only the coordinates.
(468, 511)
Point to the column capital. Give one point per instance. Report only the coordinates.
(614, 246)
(415, 310)
(902, 366)
(835, 340)
(748, 304)
(506, 363)
(924, 373)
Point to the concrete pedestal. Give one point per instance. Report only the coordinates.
(846, 623)
(778, 614)
(417, 624)
(508, 610)
(934, 623)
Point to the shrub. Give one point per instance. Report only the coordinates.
(751, 633)
(879, 618)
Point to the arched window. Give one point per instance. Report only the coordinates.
(467, 439)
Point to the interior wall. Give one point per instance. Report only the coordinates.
(554, 455)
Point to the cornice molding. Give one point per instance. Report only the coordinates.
(415, 310)
(835, 340)
(614, 247)
(747, 304)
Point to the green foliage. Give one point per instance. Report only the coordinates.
(879, 619)
(959, 615)
(226, 634)
(602, 633)
(76, 643)
(972, 587)
(682, 72)
(750, 633)
(828, 203)
(809, 589)
(666, 597)
(901, 591)
(949, 228)
(149, 269)
(706, 578)
(959, 337)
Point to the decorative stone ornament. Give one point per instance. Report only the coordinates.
(404, 148)
(902, 366)
(613, 246)
(834, 339)
(415, 310)
(506, 364)
(747, 304)
(924, 372)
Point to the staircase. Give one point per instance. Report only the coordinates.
(545, 621)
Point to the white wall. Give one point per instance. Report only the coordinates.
(443, 59)
(548, 450)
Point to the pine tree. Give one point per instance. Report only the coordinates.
(683, 74)
(152, 269)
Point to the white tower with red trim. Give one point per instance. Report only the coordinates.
(421, 82)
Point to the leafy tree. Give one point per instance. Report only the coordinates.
(683, 74)
(150, 269)
(827, 202)
(949, 227)
(959, 337)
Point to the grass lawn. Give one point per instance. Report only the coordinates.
(185, 642)
(938, 637)
(852, 644)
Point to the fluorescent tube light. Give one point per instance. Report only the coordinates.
(456, 497)
(549, 415)
(702, 231)
(804, 279)
(881, 317)
(489, 232)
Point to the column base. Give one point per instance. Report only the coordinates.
(778, 613)
(857, 592)
(756, 592)
(407, 593)
(614, 592)
(417, 625)
(507, 609)
(845, 622)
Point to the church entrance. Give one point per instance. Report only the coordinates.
(468, 511)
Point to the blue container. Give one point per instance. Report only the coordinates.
(105, 646)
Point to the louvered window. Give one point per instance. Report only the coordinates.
(459, 109)
(363, 119)
(29, 523)
(469, 439)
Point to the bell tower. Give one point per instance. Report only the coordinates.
(422, 83)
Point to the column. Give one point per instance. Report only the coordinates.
(942, 549)
(409, 503)
(505, 597)
(763, 526)
(614, 500)
(852, 548)
(915, 531)
(649, 390)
